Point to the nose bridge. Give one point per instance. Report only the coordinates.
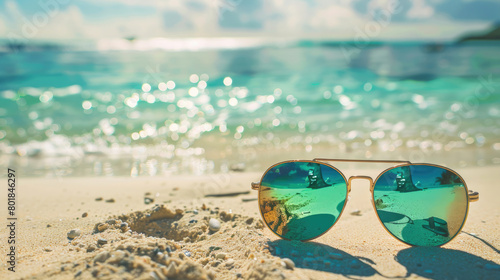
(359, 177)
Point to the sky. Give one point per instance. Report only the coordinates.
(326, 19)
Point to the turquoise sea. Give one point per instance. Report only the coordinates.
(159, 107)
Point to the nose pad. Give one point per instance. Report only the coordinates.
(359, 177)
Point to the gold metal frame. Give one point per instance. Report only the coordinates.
(471, 196)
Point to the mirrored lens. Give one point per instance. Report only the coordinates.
(301, 200)
(422, 205)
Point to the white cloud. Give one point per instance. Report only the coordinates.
(57, 23)
(193, 22)
(323, 17)
(382, 5)
(420, 10)
(68, 23)
(197, 18)
(335, 19)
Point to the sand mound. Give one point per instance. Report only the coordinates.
(163, 243)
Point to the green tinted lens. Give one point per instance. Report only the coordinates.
(301, 200)
(421, 205)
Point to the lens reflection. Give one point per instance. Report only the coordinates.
(301, 200)
(422, 205)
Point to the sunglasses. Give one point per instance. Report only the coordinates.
(419, 204)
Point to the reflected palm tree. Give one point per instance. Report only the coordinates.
(315, 177)
(447, 178)
(404, 181)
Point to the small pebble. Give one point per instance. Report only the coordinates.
(237, 167)
(47, 250)
(84, 215)
(102, 256)
(74, 233)
(48, 225)
(98, 199)
(356, 212)
(116, 257)
(187, 253)
(102, 227)
(214, 248)
(148, 200)
(229, 262)
(124, 226)
(214, 225)
(195, 211)
(111, 200)
(102, 241)
(78, 273)
(91, 248)
(221, 255)
(288, 263)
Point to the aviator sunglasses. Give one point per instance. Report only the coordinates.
(419, 204)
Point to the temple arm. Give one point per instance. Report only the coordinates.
(473, 196)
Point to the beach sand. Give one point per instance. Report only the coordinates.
(174, 240)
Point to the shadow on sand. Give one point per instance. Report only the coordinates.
(428, 262)
(441, 263)
(321, 257)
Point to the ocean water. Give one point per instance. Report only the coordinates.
(154, 108)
